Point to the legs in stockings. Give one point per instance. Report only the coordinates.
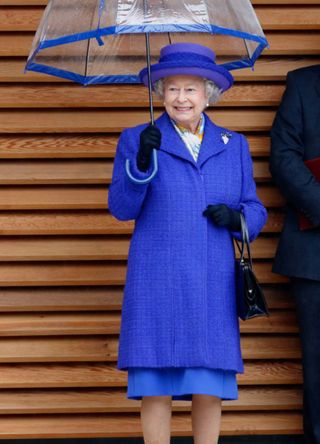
(156, 419)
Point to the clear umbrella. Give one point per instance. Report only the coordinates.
(107, 41)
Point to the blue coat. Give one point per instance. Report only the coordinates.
(179, 300)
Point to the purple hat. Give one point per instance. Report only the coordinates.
(188, 59)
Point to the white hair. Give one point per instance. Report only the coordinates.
(212, 91)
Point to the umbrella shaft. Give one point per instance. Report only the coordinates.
(149, 77)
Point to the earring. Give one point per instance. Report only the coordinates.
(207, 104)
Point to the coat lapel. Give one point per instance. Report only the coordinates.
(172, 143)
(212, 142)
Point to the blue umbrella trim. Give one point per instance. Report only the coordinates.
(118, 30)
(107, 79)
(79, 78)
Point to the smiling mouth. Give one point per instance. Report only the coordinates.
(183, 109)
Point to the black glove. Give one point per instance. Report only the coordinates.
(150, 138)
(223, 216)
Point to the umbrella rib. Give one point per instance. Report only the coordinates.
(246, 46)
(87, 61)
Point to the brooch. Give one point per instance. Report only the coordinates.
(225, 137)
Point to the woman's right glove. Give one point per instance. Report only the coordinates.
(223, 216)
(150, 138)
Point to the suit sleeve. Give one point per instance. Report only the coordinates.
(252, 208)
(293, 178)
(125, 197)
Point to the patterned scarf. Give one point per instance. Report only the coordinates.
(190, 139)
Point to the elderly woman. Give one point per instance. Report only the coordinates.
(179, 334)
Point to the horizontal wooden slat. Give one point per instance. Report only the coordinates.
(94, 146)
(94, 299)
(100, 348)
(275, 222)
(53, 324)
(61, 349)
(270, 347)
(48, 274)
(265, 69)
(66, 222)
(68, 375)
(84, 121)
(105, 96)
(20, 18)
(63, 249)
(77, 172)
(64, 172)
(93, 248)
(50, 324)
(81, 197)
(278, 322)
(46, 197)
(261, 171)
(94, 273)
(79, 375)
(291, 18)
(281, 43)
(263, 399)
(270, 196)
(65, 299)
(271, 373)
(115, 401)
(279, 297)
(89, 222)
(64, 146)
(107, 426)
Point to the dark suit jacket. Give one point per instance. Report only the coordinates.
(295, 137)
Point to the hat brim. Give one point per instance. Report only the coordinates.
(219, 75)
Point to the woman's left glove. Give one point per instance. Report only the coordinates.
(150, 138)
(223, 216)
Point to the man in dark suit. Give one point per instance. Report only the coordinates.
(295, 137)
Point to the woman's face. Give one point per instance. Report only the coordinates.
(185, 99)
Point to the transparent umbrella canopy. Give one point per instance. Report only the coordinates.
(108, 41)
(103, 41)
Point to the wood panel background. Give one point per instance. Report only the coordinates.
(63, 257)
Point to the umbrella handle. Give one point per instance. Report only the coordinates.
(148, 179)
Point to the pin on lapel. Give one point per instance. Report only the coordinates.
(225, 137)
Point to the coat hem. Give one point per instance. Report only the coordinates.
(125, 367)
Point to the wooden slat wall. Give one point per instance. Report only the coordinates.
(63, 257)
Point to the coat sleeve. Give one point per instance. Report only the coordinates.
(125, 197)
(291, 175)
(250, 205)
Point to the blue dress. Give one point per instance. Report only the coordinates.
(181, 383)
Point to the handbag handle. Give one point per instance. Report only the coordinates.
(245, 242)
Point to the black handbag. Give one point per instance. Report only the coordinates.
(250, 298)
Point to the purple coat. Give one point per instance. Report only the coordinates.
(179, 300)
